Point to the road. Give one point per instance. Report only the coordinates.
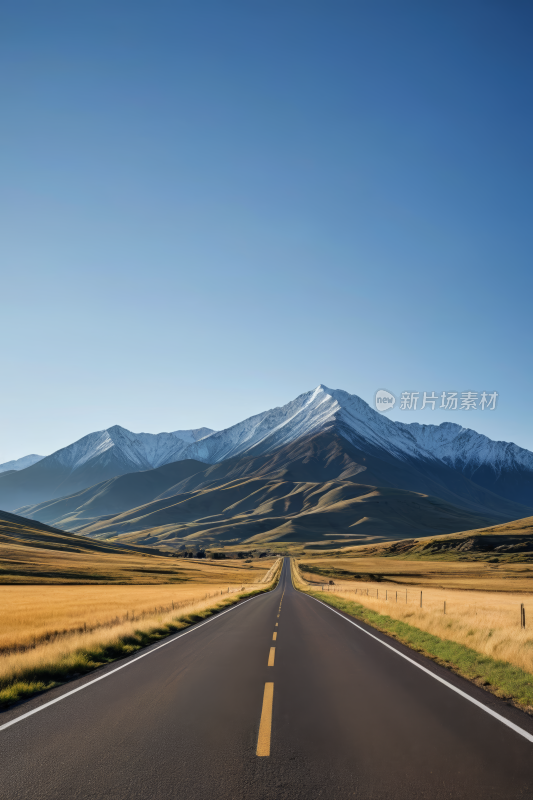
(349, 718)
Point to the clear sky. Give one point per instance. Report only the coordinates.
(208, 208)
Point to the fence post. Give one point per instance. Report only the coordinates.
(396, 596)
(445, 606)
(420, 599)
(522, 616)
(386, 594)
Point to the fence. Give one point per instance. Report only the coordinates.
(458, 602)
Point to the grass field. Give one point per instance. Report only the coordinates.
(58, 559)
(52, 633)
(472, 575)
(478, 633)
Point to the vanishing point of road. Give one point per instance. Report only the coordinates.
(277, 698)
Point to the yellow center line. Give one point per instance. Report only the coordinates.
(274, 636)
(277, 623)
(265, 726)
(271, 656)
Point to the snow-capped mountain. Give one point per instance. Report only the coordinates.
(94, 458)
(440, 450)
(365, 428)
(501, 467)
(21, 463)
(314, 411)
(463, 447)
(139, 450)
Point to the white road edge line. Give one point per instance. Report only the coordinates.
(123, 666)
(466, 696)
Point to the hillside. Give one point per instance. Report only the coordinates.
(261, 510)
(113, 496)
(31, 552)
(507, 543)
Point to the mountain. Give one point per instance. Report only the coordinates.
(455, 464)
(502, 467)
(20, 463)
(92, 459)
(317, 459)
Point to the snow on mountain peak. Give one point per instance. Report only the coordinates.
(323, 408)
(193, 435)
(136, 451)
(21, 463)
(458, 446)
(120, 450)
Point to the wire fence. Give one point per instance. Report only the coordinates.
(456, 602)
(134, 615)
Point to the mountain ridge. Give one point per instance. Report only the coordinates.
(20, 463)
(146, 507)
(502, 468)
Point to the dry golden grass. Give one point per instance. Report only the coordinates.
(48, 651)
(488, 622)
(25, 563)
(438, 574)
(37, 614)
(46, 628)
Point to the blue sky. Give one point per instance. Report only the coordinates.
(208, 208)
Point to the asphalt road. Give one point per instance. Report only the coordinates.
(350, 718)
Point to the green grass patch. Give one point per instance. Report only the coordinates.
(499, 677)
(29, 681)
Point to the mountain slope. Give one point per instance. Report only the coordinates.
(33, 553)
(113, 496)
(260, 510)
(507, 543)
